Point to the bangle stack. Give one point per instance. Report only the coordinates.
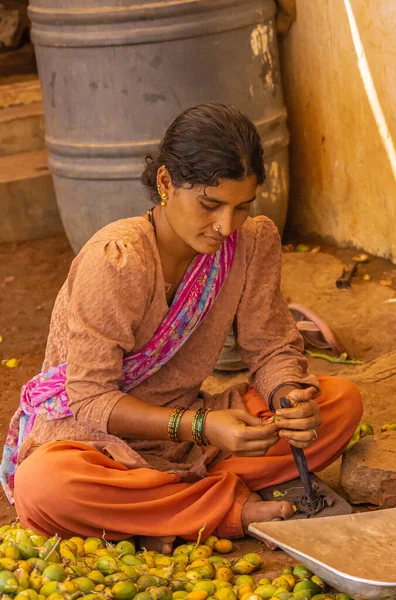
(198, 426)
(174, 422)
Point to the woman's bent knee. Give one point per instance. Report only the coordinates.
(40, 482)
(351, 399)
(343, 395)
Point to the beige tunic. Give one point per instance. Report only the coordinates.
(112, 303)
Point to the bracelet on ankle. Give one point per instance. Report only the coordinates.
(174, 423)
(198, 427)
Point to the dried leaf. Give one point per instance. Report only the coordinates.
(386, 282)
(200, 532)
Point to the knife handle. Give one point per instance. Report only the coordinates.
(301, 463)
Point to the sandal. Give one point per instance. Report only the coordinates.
(314, 330)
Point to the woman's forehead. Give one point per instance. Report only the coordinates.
(231, 191)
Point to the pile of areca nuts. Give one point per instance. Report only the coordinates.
(34, 567)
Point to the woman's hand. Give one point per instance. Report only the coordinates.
(299, 424)
(239, 433)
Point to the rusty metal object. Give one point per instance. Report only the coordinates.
(344, 281)
(312, 508)
(311, 500)
(331, 503)
(309, 495)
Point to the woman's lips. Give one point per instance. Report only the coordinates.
(213, 240)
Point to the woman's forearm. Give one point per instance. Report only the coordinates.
(134, 418)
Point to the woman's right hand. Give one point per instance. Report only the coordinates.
(240, 433)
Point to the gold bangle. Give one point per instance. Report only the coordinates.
(174, 422)
(177, 423)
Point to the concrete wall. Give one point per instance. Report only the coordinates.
(343, 160)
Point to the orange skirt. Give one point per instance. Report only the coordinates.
(69, 488)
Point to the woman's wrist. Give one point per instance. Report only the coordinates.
(279, 392)
(210, 427)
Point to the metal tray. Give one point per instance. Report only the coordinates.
(355, 554)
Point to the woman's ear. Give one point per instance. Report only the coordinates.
(164, 180)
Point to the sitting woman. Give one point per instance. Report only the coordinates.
(115, 434)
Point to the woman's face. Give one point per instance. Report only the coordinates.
(194, 214)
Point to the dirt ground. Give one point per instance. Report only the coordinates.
(364, 318)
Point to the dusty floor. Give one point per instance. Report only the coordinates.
(31, 274)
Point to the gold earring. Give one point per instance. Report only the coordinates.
(163, 197)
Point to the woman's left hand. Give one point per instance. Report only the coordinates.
(299, 424)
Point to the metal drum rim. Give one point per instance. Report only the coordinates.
(152, 11)
(109, 29)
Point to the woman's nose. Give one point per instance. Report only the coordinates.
(224, 224)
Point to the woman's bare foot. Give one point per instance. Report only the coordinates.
(255, 509)
(162, 545)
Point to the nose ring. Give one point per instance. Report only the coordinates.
(217, 228)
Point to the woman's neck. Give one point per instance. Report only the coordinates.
(170, 246)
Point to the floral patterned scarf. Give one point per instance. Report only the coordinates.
(45, 395)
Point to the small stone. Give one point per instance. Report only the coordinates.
(368, 471)
(366, 277)
(315, 250)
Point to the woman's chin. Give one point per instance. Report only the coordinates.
(212, 245)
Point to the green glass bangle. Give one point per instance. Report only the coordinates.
(195, 425)
(198, 424)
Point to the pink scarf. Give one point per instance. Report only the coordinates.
(45, 395)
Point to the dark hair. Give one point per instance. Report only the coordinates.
(204, 144)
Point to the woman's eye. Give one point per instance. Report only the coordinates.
(207, 207)
(242, 207)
